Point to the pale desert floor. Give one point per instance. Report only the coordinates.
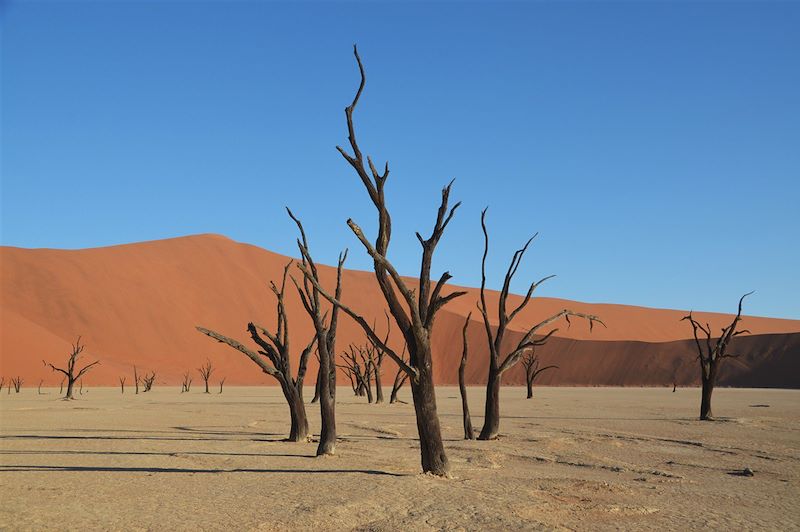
(571, 458)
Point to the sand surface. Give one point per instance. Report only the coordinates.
(571, 458)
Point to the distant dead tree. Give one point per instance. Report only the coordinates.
(39, 390)
(711, 353)
(491, 423)
(412, 310)
(376, 356)
(359, 373)
(273, 357)
(205, 371)
(186, 385)
(325, 328)
(400, 378)
(469, 434)
(221, 383)
(122, 384)
(80, 390)
(148, 381)
(2, 383)
(136, 379)
(17, 382)
(70, 373)
(532, 370)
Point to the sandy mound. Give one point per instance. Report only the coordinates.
(139, 304)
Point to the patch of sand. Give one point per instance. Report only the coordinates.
(572, 458)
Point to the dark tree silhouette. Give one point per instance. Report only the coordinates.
(399, 379)
(186, 385)
(711, 353)
(376, 358)
(137, 379)
(71, 373)
(17, 382)
(469, 434)
(207, 369)
(413, 310)
(491, 423)
(122, 384)
(221, 383)
(273, 357)
(316, 384)
(148, 380)
(325, 328)
(2, 383)
(359, 373)
(532, 370)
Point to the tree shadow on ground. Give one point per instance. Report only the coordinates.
(104, 469)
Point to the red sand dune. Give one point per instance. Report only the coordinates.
(139, 304)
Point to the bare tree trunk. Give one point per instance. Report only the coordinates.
(491, 421)
(399, 380)
(368, 382)
(434, 459)
(297, 411)
(529, 381)
(706, 391)
(316, 390)
(469, 433)
(70, 386)
(327, 402)
(378, 385)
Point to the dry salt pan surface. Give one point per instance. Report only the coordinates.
(571, 458)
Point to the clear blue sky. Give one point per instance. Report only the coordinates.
(654, 146)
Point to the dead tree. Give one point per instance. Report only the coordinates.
(376, 357)
(186, 385)
(80, 390)
(70, 373)
(273, 357)
(205, 371)
(136, 379)
(39, 390)
(17, 382)
(400, 379)
(325, 329)
(2, 383)
(491, 423)
(532, 370)
(221, 383)
(359, 373)
(413, 310)
(316, 384)
(148, 381)
(711, 353)
(122, 384)
(61, 386)
(469, 434)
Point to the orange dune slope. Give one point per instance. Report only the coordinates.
(138, 304)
